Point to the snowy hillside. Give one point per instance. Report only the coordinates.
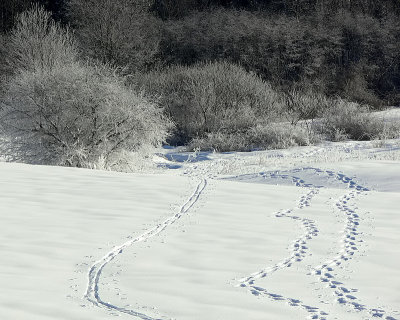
(307, 232)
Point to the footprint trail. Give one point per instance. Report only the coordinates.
(344, 295)
(349, 242)
(298, 250)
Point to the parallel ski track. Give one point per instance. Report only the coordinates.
(92, 291)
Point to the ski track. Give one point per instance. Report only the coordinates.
(299, 250)
(325, 272)
(94, 274)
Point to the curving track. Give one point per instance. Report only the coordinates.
(298, 251)
(92, 291)
(325, 272)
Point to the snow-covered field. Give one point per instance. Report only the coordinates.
(309, 232)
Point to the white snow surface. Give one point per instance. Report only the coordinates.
(303, 233)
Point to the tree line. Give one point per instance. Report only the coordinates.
(338, 47)
(84, 81)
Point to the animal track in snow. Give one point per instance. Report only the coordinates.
(349, 247)
(298, 251)
(350, 240)
(299, 247)
(314, 312)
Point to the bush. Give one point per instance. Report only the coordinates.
(271, 136)
(347, 120)
(38, 42)
(302, 104)
(220, 142)
(280, 136)
(211, 97)
(60, 111)
(78, 115)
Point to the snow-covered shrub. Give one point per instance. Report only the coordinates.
(270, 136)
(58, 110)
(280, 136)
(348, 120)
(220, 142)
(77, 115)
(303, 103)
(37, 42)
(212, 97)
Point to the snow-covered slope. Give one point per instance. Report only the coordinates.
(301, 233)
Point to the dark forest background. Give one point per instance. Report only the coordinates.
(209, 74)
(338, 47)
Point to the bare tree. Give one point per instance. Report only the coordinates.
(117, 31)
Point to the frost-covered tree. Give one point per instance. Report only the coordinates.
(61, 111)
(38, 42)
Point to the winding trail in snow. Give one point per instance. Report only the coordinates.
(298, 251)
(92, 290)
(299, 248)
(325, 271)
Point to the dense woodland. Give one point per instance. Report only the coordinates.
(220, 69)
(350, 48)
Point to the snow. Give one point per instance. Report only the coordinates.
(308, 232)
